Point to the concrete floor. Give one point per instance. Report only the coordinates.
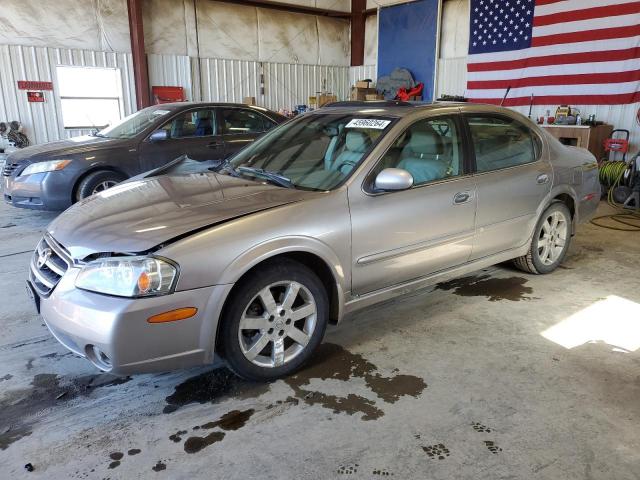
(499, 375)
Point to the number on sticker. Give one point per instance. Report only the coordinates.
(368, 123)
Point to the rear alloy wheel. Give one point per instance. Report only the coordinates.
(550, 241)
(276, 321)
(97, 182)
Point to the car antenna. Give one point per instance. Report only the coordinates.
(531, 105)
(505, 95)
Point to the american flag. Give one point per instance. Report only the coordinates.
(576, 52)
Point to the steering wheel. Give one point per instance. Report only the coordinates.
(443, 129)
(345, 164)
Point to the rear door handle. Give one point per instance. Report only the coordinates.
(542, 179)
(461, 197)
(215, 144)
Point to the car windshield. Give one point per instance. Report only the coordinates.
(132, 125)
(315, 152)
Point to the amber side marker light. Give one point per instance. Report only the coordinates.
(173, 315)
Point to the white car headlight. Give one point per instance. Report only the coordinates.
(128, 276)
(42, 167)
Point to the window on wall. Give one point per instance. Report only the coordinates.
(91, 97)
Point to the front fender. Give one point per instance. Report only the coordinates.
(290, 244)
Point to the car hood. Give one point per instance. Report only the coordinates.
(71, 146)
(139, 215)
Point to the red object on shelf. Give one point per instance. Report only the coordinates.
(404, 95)
(30, 85)
(167, 94)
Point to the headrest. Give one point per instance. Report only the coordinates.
(425, 142)
(357, 141)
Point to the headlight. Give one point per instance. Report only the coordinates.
(128, 276)
(42, 167)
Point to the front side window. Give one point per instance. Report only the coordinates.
(193, 123)
(501, 142)
(316, 152)
(134, 124)
(429, 150)
(237, 120)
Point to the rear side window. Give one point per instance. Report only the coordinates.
(501, 142)
(236, 121)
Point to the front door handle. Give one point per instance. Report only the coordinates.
(461, 197)
(215, 144)
(542, 179)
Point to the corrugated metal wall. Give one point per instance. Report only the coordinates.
(452, 76)
(363, 72)
(43, 121)
(222, 80)
(286, 85)
(171, 70)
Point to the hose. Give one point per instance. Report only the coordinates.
(612, 175)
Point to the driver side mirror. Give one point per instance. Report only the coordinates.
(158, 136)
(393, 179)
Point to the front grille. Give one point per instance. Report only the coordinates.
(9, 168)
(49, 263)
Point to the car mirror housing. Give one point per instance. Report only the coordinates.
(158, 136)
(391, 179)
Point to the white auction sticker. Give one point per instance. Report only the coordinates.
(368, 123)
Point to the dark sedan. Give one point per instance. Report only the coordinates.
(52, 176)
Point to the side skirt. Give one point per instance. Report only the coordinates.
(357, 303)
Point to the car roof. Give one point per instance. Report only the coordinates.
(184, 105)
(389, 108)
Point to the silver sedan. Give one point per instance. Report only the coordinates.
(350, 205)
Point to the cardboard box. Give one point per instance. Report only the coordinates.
(363, 84)
(372, 97)
(324, 99)
(360, 94)
(249, 100)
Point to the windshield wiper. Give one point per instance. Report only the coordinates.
(273, 177)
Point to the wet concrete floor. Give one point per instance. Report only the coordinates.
(495, 375)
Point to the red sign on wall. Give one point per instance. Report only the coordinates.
(30, 85)
(37, 97)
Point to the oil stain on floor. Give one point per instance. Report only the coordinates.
(495, 289)
(21, 408)
(330, 362)
(213, 387)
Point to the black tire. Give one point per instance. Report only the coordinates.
(88, 184)
(229, 342)
(532, 262)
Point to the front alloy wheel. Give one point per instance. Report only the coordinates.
(277, 324)
(273, 321)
